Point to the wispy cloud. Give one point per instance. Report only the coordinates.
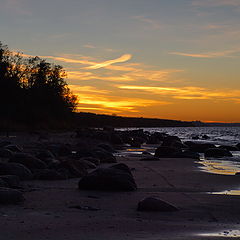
(189, 93)
(83, 60)
(227, 53)
(89, 46)
(216, 3)
(151, 22)
(121, 59)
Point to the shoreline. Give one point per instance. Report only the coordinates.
(46, 214)
(49, 210)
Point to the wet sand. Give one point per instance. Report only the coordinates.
(47, 212)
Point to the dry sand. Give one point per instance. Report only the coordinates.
(46, 213)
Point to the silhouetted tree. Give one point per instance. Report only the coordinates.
(33, 90)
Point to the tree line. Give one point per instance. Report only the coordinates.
(32, 90)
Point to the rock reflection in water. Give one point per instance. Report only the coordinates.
(224, 167)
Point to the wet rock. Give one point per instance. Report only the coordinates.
(196, 137)
(152, 204)
(64, 150)
(12, 181)
(28, 161)
(10, 196)
(93, 160)
(199, 147)
(4, 144)
(229, 148)
(75, 168)
(136, 143)
(3, 183)
(106, 147)
(109, 179)
(190, 154)
(217, 152)
(45, 155)
(15, 169)
(167, 152)
(13, 148)
(48, 174)
(146, 153)
(153, 140)
(123, 167)
(205, 137)
(116, 139)
(87, 164)
(5, 153)
(171, 140)
(104, 156)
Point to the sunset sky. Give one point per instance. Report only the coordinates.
(172, 59)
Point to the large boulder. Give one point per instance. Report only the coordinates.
(229, 148)
(167, 152)
(170, 140)
(217, 152)
(15, 169)
(199, 147)
(10, 196)
(28, 161)
(45, 155)
(48, 174)
(93, 160)
(4, 144)
(114, 178)
(12, 181)
(103, 155)
(13, 148)
(5, 153)
(106, 147)
(74, 167)
(152, 204)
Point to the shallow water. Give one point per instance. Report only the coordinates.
(217, 135)
(224, 233)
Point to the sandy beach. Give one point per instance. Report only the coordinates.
(49, 211)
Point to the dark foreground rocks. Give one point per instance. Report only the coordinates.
(16, 169)
(217, 152)
(152, 204)
(10, 196)
(115, 178)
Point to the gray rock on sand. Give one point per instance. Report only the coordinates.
(12, 181)
(152, 204)
(10, 196)
(93, 160)
(13, 148)
(15, 169)
(199, 147)
(104, 156)
(5, 153)
(28, 161)
(48, 174)
(229, 148)
(115, 178)
(166, 152)
(217, 152)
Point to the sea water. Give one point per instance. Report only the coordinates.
(215, 135)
